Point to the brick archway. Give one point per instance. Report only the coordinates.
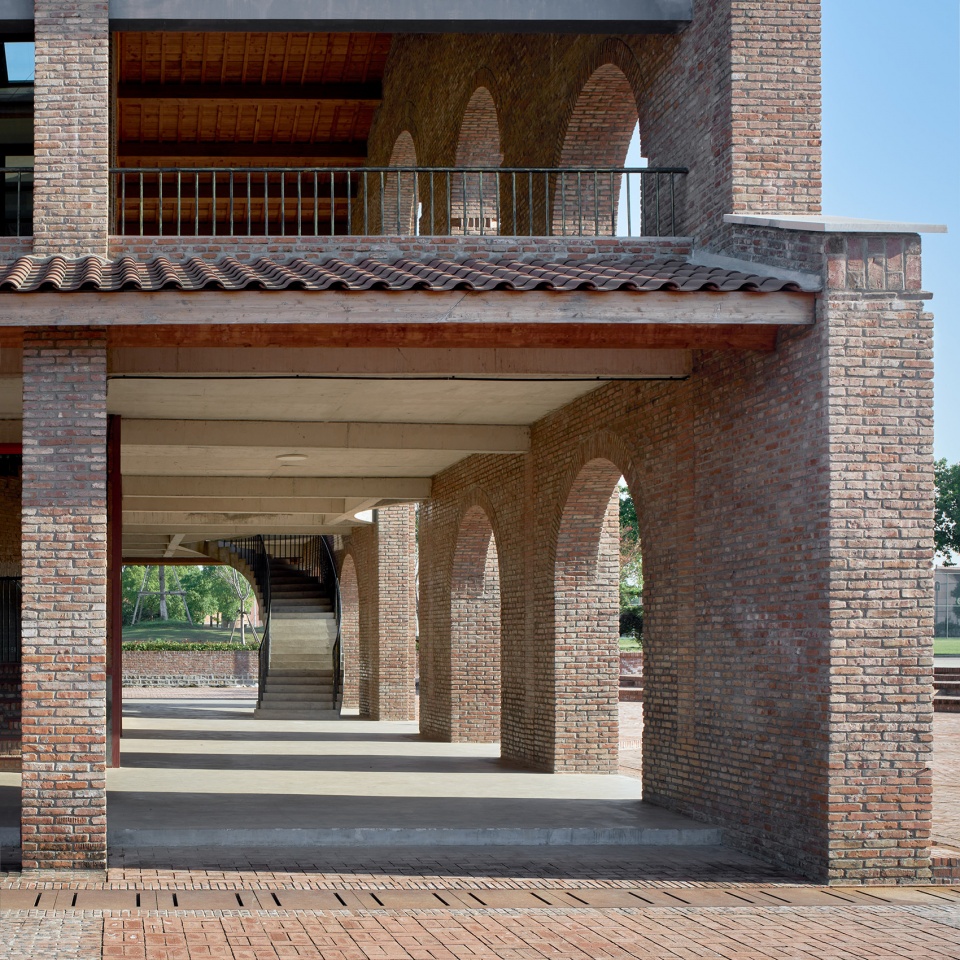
(475, 631)
(586, 625)
(598, 133)
(350, 633)
(476, 197)
(400, 193)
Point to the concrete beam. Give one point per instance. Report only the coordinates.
(332, 506)
(411, 16)
(385, 488)
(486, 362)
(233, 527)
(149, 520)
(16, 19)
(172, 546)
(293, 437)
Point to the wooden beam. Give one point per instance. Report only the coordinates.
(386, 488)
(307, 94)
(287, 436)
(346, 153)
(496, 318)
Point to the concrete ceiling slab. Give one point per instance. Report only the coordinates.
(300, 399)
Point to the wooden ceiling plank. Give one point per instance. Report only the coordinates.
(344, 152)
(338, 92)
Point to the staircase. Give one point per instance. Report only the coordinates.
(303, 629)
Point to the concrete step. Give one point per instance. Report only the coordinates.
(291, 688)
(276, 713)
(298, 706)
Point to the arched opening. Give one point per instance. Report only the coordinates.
(475, 632)
(586, 624)
(475, 193)
(400, 194)
(350, 635)
(599, 134)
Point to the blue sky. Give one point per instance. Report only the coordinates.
(891, 150)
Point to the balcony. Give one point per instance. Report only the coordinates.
(395, 201)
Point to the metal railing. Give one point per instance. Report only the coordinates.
(11, 593)
(253, 552)
(16, 214)
(402, 201)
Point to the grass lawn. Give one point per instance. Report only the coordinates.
(176, 632)
(947, 645)
(629, 645)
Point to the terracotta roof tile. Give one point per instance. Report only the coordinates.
(29, 274)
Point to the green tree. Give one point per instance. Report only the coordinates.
(946, 527)
(631, 567)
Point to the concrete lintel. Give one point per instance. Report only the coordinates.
(234, 527)
(212, 487)
(412, 16)
(823, 224)
(408, 362)
(332, 506)
(16, 18)
(293, 437)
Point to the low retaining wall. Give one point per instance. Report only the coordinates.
(190, 668)
(631, 677)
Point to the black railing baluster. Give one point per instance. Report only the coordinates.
(566, 208)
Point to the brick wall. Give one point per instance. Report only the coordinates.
(350, 633)
(784, 502)
(64, 617)
(190, 668)
(384, 556)
(735, 97)
(71, 127)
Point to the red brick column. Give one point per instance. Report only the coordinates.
(350, 633)
(475, 633)
(879, 366)
(396, 650)
(385, 558)
(64, 599)
(71, 127)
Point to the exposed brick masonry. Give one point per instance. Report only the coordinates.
(786, 697)
(384, 556)
(71, 127)
(190, 668)
(64, 599)
(735, 97)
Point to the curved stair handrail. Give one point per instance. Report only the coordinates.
(337, 652)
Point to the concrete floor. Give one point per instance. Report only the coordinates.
(205, 773)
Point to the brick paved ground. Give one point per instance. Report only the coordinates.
(946, 779)
(789, 933)
(907, 932)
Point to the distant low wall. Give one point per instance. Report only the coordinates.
(631, 664)
(190, 668)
